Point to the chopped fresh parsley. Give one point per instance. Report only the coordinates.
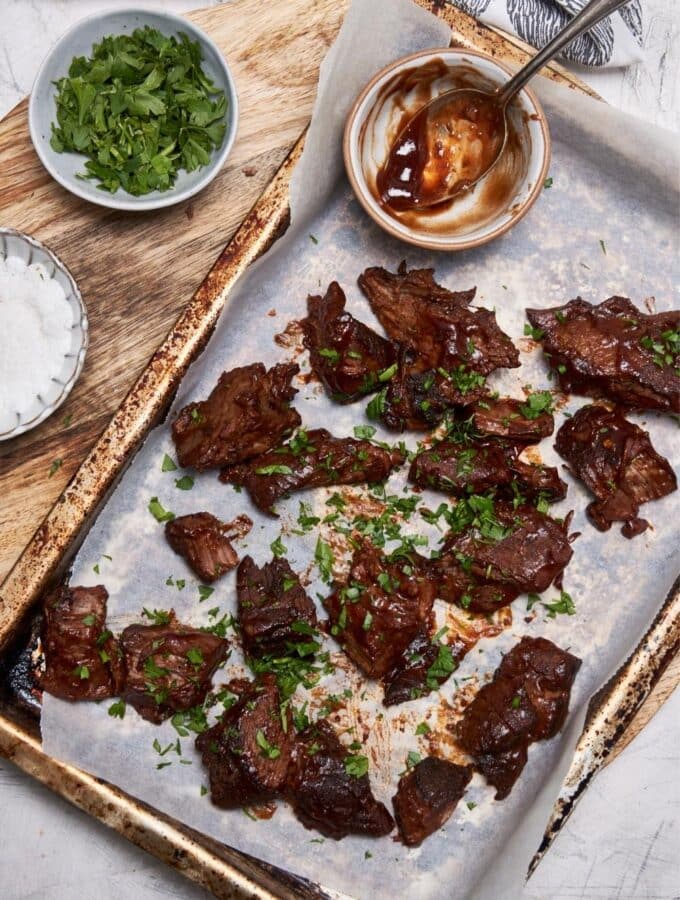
(364, 432)
(548, 183)
(159, 513)
(534, 333)
(117, 709)
(356, 766)
(537, 404)
(376, 407)
(423, 728)
(277, 547)
(54, 468)
(185, 483)
(204, 591)
(140, 108)
(267, 749)
(274, 470)
(324, 559)
(168, 464)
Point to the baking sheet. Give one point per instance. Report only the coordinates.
(624, 196)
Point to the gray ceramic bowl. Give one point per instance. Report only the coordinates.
(64, 167)
(31, 251)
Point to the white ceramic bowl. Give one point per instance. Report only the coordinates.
(374, 121)
(64, 167)
(31, 251)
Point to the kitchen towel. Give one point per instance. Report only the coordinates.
(614, 42)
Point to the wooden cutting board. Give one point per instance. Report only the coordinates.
(137, 271)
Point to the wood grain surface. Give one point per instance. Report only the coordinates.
(137, 271)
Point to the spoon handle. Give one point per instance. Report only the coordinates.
(590, 15)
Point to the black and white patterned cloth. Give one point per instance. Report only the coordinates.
(616, 41)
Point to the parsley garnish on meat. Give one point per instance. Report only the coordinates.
(140, 109)
(536, 404)
(356, 766)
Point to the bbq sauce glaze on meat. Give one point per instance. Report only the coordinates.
(82, 661)
(346, 355)
(418, 398)
(617, 462)
(273, 607)
(311, 459)
(380, 609)
(205, 542)
(438, 324)
(247, 412)
(323, 793)
(169, 667)
(523, 548)
(614, 350)
(426, 797)
(512, 420)
(527, 701)
(247, 753)
(447, 349)
(424, 666)
(477, 466)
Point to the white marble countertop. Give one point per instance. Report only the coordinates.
(622, 841)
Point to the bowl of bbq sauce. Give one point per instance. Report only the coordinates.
(394, 157)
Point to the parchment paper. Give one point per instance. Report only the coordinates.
(607, 226)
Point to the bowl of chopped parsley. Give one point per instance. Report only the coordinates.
(134, 110)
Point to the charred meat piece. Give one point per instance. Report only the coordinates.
(614, 350)
(345, 354)
(527, 701)
(426, 797)
(247, 412)
(380, 609)
(82, 661)
(478, 466)
(247, 753)
(455, 583)
(273, 607)
(324, 792)
(311, 459)
(423, 667)
(516, 421)
(417, 399)
(521, 547)
(169, 667)
(616, 461)
(437, 323)
(205, 542)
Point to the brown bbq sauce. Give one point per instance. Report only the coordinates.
(442, 150)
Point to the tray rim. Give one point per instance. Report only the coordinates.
(226, 872)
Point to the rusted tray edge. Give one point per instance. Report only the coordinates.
(75, 509)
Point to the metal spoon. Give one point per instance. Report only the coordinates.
(437, 116)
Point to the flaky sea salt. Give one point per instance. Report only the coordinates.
(35, 335)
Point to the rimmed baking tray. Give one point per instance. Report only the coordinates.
(222, 870)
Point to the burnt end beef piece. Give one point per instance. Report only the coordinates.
(426, 797)
(169, 667)
(248, 752)
(311, 459)
(529, 553)
(511, 419)
(455, 583)
(247, 412)
(617, 462)
(614, 350)
(346, 355)
(527, 701)
(417, 399)
(438, 324)
(205, 542)
(478, 466)
(424, 666)
(273, 607)
(380, 609)
(325, 796)
(82, 661)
